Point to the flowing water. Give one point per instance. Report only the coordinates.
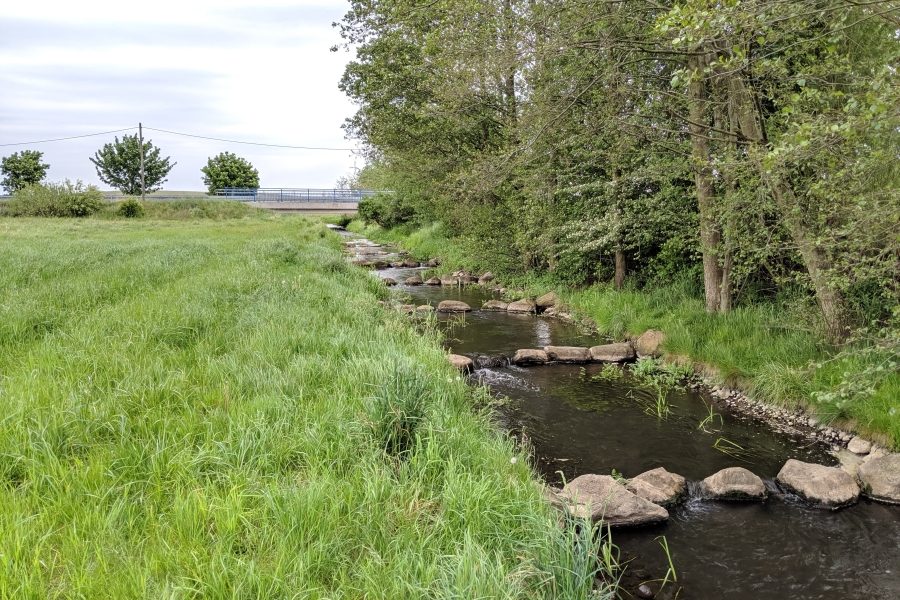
(579, 421)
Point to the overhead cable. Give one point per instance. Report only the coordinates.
(249, 143)
(74, 137)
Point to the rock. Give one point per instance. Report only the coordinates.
(501, 290)
(459, 362)
(407, 308)
(550, 312)
(449, 280)
(530, 357)
(880, 478)
(601, 497)
(547, 300)
(494, 305)
(380, 265)
(812, 422)
(410, 263)
(433, 281)
(490, 362)
(568, 354)
(521, 306)
(453, 306)
(397, 264)
(733, 483)
(485, 277)
(644, 591)
(425, 308)
(649, 343)
(613, 352)
(659, 487)
(468, 279)
(829, 487)
(389, 282)
(434, 262)
(414, 280)
(859, 446)
(362, 263)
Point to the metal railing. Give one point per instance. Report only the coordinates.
(294, 195)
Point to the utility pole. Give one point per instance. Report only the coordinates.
(141, 136)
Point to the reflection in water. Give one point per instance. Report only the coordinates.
(579, 423)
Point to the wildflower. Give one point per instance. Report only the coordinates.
(513, 460)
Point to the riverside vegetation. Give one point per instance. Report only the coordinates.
(219, 408)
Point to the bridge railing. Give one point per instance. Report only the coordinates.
(295, 194)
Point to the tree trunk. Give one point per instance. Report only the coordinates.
(619, 279)
(706, 195)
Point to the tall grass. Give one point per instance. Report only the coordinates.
(188, 410)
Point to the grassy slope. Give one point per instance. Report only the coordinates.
(763, 349)
(185, 415)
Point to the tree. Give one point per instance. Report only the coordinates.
(23, 169)
(119, 165)
(229, 170)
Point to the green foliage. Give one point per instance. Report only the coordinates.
(130, 209)
(385, 210)
(397, 410)
(119, 164)
(22, 169)
(228, 170)
(64, 199)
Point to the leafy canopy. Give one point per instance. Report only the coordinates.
(229, 170)
(22, 169)
(119, 165)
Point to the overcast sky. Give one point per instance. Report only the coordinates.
(257, 72)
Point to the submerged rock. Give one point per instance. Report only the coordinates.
(389, 281)
(530, 357)
(858, 445)
(609, 353)
(433, 281)
(490, 362)
(462, 363)
(733, 483)
(414, 280)
(829, 487)
(521, 306)
(659, 487)
(568, 354)
(547, 300)
(648, 344)
(452, 306)
(494, 305)
(602, 498)
(880, 478)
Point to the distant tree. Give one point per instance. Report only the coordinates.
(119, 165)
(21, 169)
(229, 170)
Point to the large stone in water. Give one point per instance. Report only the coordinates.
(389, 281)
(449, 280)
(530, 357)
(880, 478)
(397, 264)
(602, 498)
(733, 483)
(547, 300)
(433, 281)
(452, 306)
(613, 353)
(462, 363)
(379, 265)
(568, 354)
(521, 306)
(828, 487)
(414, 280)
(410, 263)
(659, 487)
(495, 305)
(648, 344)
(433, 262)
(485, 277)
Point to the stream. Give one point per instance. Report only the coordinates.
(578, 423)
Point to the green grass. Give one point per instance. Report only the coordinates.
(196, 409)
(765, 349)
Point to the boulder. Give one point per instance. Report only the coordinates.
(530, 357)
(414, 280)
(494, 305)
(659, 487)
(829, 487)
(649, 343)
(363, 263)
(859, 446)
(490, 362)
(449, 280)
(609, 353)
(521, 306)
(468, 279)
(434, 262)
(602, 498)
(433, 281)
(547, 300)
(425, 308)
(389, 281)
(410, 263)
(733, 483)
(880, 478)
(453, 306)
(397, 264)
(407, 308)
(485, 277)
(380, 265)
(459, 362)
(568, 354)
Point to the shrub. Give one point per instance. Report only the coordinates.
(65, 199)
(130, 208)
(386, 210)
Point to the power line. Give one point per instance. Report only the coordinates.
(74, 137)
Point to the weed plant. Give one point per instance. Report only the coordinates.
(188, 410)
(64, 199)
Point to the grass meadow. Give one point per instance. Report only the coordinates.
(219, 408)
